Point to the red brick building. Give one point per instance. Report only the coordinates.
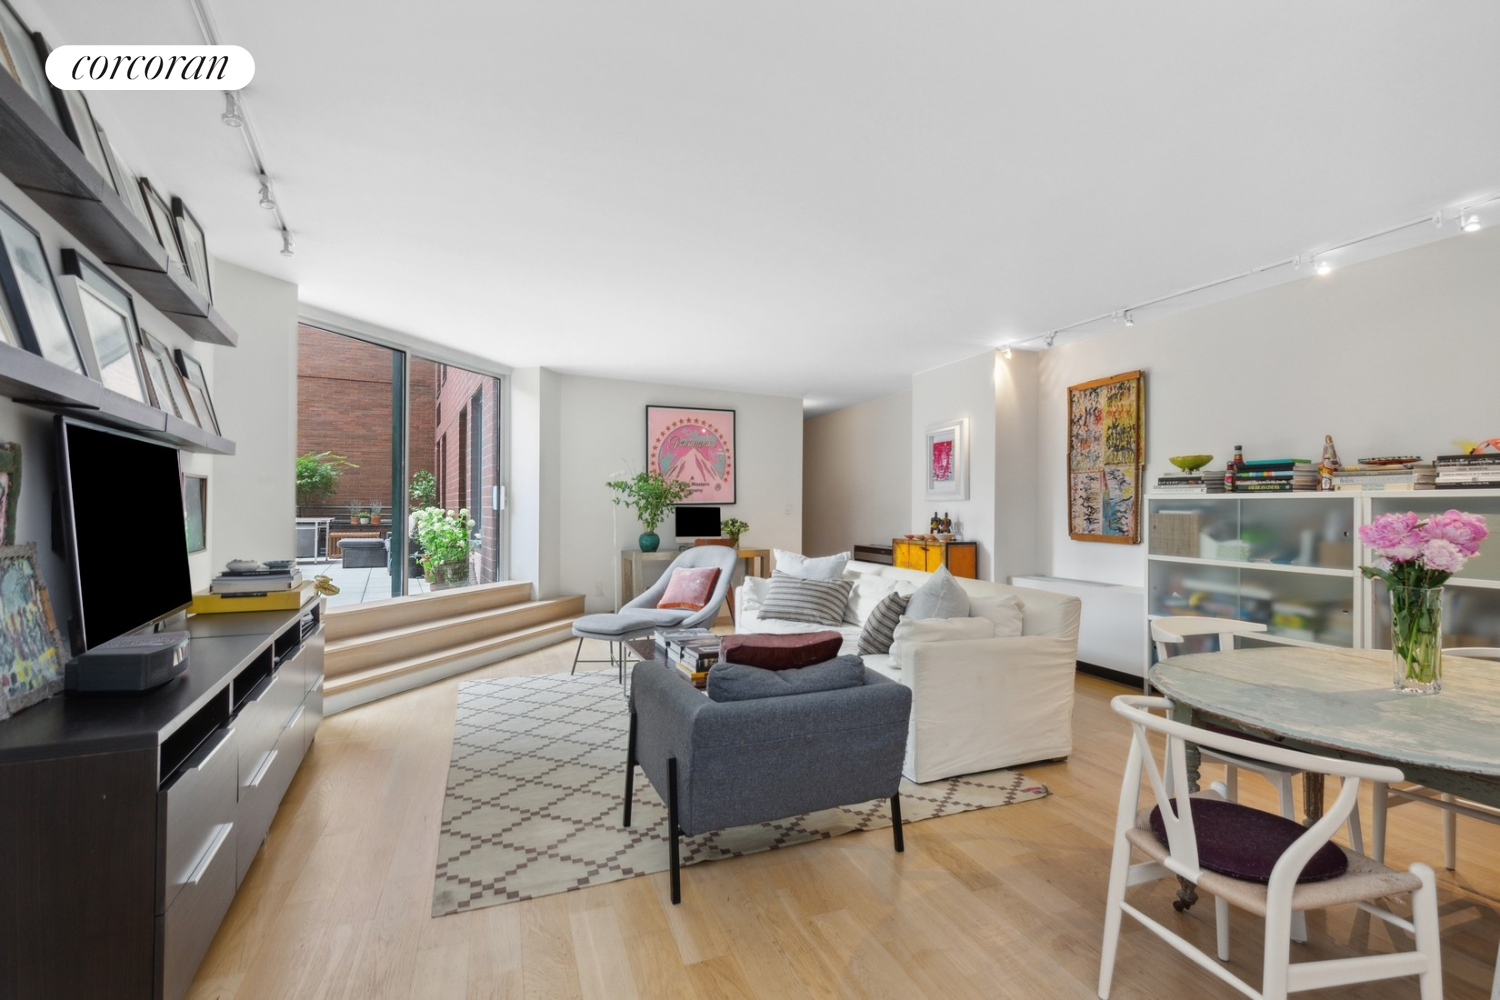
(466, 456)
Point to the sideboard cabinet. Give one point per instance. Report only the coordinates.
(961, 558)
(130, 821)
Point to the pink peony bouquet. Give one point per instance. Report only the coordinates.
(1414, 553)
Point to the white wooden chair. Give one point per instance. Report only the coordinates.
(1191, 828)
(1387, 798)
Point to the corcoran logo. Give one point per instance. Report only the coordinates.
(150, 67)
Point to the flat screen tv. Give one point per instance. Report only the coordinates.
(697, 522)
(125, 526)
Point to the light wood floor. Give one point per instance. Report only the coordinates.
(996, 903)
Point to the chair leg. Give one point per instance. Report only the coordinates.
(1356, 831)
(1232, 782)
(1221, 926)
(576, 654)
(1380, 794)
(672, 830)
(1424, 916)
(1284, 792)
(896, 822)
(1450, 836)
(629, 769)
(1119, 873)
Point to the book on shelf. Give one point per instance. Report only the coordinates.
(1373, 486)
(1273, 464)
(1265, 486)
(1253, 474)
(1483, 458)
(284, 600)
(1483, 484)
(255, 583)
(1469, 475)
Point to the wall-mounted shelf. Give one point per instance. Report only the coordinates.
(44, 163)
(38, 382)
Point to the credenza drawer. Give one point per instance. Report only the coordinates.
(186, 930)
(262, 792)
(193, 808)
(312, 717)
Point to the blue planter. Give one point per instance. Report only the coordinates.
(649, 541)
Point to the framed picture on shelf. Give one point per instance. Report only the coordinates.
(176, 389)
(1106, 458)
(24, 61)
(195, 502)
(36, 307)
(161, 223)
(126, 182)
(33, 668)
(109, 315)
(194, 247)
(197, 384)
(78, 124)
(945, 459)
(10, 491)
(694, 445)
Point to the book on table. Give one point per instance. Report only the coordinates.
(255, 583)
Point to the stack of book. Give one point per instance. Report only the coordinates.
(692, 651)
(1274, 475)
(1197, 481)
(1371, 476)
(256, 582)
(1467, 472)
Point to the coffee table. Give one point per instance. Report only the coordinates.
(645, 651)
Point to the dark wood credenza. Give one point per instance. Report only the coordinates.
(127, 823)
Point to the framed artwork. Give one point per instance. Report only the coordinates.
(696, 446)
(945, 458)
(195, 502)
(126, 182)
(31, 650)
(109, 314)
(24, 61)
(197, 387)
(10, 491)
(161, 222)
(171, 394)
(78, 124)
(194, 247)
(1106, 458)
(36, 307)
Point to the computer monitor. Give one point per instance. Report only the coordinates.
(697, 522)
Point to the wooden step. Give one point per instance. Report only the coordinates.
(495, 645)
(436, 634)
(395, 612)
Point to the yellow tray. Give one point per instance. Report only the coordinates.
(207, 603)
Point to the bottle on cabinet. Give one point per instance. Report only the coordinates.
(1233, 467)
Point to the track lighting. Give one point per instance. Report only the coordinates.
(1323, 267)
(1005, 352)
(1129, 318)
(266, 201)
(232, 116)
(286, 244)
(1051, 338)
(1471, 224)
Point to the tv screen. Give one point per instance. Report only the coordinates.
(126, 532)
(697, 522)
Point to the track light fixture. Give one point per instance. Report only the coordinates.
(1129, 318)
(1323, 267)
(1051, 338)
(266, 201)
(1471, 224)
(232, 116)
(1005, 352)
(286, 244)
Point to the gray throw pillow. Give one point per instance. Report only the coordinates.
(794, 599)
(739, 682)
(880, 631)
(939, 597)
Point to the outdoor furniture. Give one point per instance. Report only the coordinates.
(1255, 860)
(336, 539)
(364, 553)
(730, 763)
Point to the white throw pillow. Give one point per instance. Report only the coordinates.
(799, 565)
(866, 596)
(1002, 609)
(940, 597)
(911, 630)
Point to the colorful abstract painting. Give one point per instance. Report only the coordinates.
(1106, 442)
(31, 651)
(947, 474)
(695, 446)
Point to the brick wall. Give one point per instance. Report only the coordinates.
(455, 394)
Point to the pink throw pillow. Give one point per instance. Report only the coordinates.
(690, 589)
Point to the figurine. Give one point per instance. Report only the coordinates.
(1329, 465)
(947, 525)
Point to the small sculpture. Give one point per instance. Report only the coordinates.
(946, 528)
(1329, 465)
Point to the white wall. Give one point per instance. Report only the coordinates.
(1393, 356)
(1016, 483)
(533, 483)
(962, 389)
(603, 437)
(856, 475)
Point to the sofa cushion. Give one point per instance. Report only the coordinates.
(818, 568)
(740, 682)
(869, 591)
(1005, 610)
(880, 628)
(796, 599)
(690, 587)
(780, 652)
(939, 597)
(912, 630)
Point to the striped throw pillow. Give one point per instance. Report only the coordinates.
(880, 630)
(794, 599)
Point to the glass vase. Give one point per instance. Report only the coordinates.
(1417, 639)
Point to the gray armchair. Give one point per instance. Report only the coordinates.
(640, 617)
(719, 764)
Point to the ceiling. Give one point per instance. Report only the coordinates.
(794, 198)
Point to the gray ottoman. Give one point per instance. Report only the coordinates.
(363, 553)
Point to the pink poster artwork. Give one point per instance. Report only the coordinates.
(942, 461)
(696, 446)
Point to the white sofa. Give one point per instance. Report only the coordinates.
(977, 704)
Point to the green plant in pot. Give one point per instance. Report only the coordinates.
(443, 537)
(734, 528)
(652, 496)
(423, 491)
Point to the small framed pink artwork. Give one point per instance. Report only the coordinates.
(946, 459)
(694, 445)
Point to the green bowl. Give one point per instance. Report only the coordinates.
(1190, 463)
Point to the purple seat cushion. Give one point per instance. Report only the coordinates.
(1246, 843)
(780, 652)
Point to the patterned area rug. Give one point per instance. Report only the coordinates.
(534, 789)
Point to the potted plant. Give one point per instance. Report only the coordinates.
(354, 513)
(318, 475)
(443, 537)
(375, 507)
(423, 489)
(651, 495)
(734, 528)
(364, 517)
